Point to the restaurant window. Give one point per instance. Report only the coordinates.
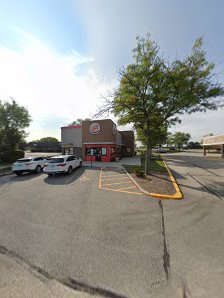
(68, 150)
(104, 151)
(88, 151)
(96, 151)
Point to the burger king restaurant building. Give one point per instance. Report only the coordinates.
(97, 140)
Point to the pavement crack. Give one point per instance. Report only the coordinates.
(69, 282)
(166, 255)
(84, 287)
(185, 292)
(29, 266)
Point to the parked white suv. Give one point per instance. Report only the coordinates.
(62, 164)
(29, 164)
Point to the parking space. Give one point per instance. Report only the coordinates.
(114, 179)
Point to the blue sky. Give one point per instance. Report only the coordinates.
(57, 57)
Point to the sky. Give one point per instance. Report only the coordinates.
(57, 58)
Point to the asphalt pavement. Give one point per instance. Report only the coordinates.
(194, 225)
(79, 233)
(117, 244)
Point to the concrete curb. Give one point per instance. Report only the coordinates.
(177, 196)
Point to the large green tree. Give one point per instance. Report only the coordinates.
(159, 134)
(179, 139)
(154, 89)
(13, 121)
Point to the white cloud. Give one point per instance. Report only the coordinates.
(200, 124)
(55, 88)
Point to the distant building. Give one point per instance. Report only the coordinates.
(216, 142)
(99, 139)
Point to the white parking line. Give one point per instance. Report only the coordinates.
(72, 176)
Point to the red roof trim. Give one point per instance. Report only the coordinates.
(72, 126)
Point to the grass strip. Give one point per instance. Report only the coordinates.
(156, 165)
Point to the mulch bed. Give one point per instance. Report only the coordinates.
(159, 183)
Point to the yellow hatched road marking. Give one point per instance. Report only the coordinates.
(117, 183)
(123, 189)
(130, 192)
(115, 179)
(114, 175)
(126, 188)
(100, 178)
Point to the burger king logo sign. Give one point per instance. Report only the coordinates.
(94, 128)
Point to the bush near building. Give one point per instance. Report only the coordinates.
(11, 156)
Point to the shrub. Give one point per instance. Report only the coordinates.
(11, 156)
(139, 173)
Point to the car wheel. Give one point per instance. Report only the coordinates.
(80, 164)
(19, 173)
(69, 170)
(38, 169)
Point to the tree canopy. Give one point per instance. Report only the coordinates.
(179, 139)
(155, 92)
(78, 121)
(13, 121)
(48, 140)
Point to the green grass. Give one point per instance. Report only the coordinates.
(156, 165)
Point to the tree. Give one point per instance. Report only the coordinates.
(179, 139)
(194, 145)
(79, 121)
(159, 135)
(48, 140)
(153, 90)
(13, 121)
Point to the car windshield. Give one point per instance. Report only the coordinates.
(23, 160)
(56, 160)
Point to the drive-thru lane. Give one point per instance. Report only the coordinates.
(208, 172)
(194, 226)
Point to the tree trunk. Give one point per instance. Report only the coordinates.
(148, 157)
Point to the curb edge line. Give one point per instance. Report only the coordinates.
(177, 196)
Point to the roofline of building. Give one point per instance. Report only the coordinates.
(212, 144)
(95, 120)
(212, 136)
(71, 126)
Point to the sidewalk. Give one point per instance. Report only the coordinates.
(131, 161)
(19, 280)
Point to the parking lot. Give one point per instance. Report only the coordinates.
(95, 228)
(71, 228)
